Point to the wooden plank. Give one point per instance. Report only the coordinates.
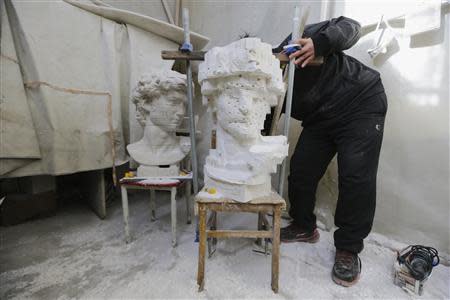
(285, 60)
(224, 234)
(177, 55)
(232, 207)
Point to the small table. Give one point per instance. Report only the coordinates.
(263, 205)
(167, 185)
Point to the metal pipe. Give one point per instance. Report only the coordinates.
(287, 114)
(190, 105)
(187, 36)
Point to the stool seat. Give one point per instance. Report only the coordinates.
(272, 199)
(157, 182)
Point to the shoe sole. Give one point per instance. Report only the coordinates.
(343, 282)
(312, 240)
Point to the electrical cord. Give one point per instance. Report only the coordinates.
(419, 260)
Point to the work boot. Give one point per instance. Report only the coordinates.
(293, 233)
(346, 269)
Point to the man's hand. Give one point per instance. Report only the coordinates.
(304, 55)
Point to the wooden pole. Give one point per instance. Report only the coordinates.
(167, 11)
(276, 247)
(201, 247)
(297, 32)
(178, 6)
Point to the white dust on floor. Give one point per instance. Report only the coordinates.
(76, 255)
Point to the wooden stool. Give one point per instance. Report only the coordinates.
(272, 203)
(172, 187)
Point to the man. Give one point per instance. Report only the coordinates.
(342, 106)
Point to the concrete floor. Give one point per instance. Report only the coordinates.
(75, 255)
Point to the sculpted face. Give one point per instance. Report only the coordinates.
(167, 110)
(241, 112)
(239, 83)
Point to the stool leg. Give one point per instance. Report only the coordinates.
(153, 205)
(187, 191)
(276, 248)
(125, 212)
(260, 227)
(173, 204)
(212, 225)
(266, 226)
(201, 247)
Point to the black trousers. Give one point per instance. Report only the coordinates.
(357, 143)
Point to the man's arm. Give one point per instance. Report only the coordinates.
(324, 38)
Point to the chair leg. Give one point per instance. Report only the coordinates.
(276, 248)
(260, 227)
(187, 191)
(173, 203)
(125, 212)
(212, 225)
(153, 205)
(201, 248)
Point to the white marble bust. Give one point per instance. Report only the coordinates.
(240, 82)
(160, 99)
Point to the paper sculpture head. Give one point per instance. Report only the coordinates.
(240, 82)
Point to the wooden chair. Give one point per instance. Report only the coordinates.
(268, 204)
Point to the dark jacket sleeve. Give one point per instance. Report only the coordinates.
(330, 36)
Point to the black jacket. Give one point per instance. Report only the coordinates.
(333, 90)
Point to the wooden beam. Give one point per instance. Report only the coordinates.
(224, 234)
(240, 207)
(178, 6)
(176, 55)
(200, 55)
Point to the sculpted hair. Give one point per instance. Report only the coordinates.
(152, 85)
(246, 63)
